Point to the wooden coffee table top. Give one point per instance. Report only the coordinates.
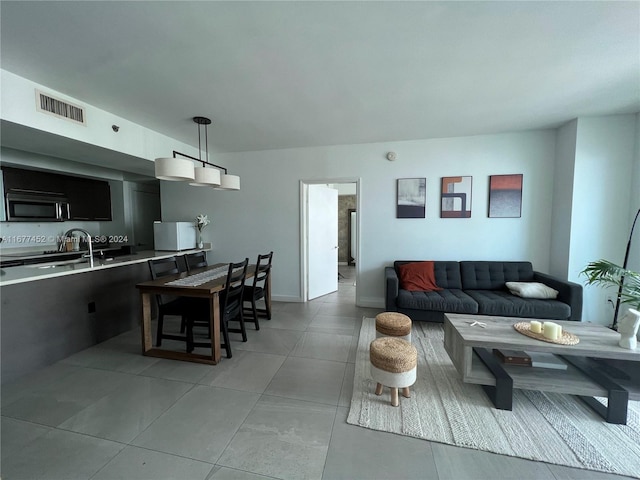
(595, 340)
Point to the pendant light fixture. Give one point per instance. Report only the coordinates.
(174, 169)
(198, 176)
(229, 182)
(204, 177)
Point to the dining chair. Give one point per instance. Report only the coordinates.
(230, 308)
(195, 260)
(159, 268)
(259, 289)
(191, 262)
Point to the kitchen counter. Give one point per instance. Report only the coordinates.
(49, 313)
(41, 271)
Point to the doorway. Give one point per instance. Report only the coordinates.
(145, 208)
(314, 252)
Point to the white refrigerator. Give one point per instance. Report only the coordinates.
(174, 236)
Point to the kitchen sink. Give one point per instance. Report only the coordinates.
(52, 259)
(59, 263)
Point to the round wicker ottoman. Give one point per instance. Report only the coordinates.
(393, 364)
(393, 324)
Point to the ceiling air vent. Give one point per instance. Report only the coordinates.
(60, 108)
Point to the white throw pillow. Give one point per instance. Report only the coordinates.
(531, 290)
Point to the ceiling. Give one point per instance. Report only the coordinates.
(298, 74)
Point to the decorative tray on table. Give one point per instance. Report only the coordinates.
(566, 339)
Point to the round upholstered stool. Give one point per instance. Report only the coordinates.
(393, 324)
(393, 364)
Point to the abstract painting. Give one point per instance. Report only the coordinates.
(411, 200)
(456, 197)
(505, 196)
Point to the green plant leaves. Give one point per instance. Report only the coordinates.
(605, 273)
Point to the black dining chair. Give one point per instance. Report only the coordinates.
(159, 268)
(195, 260)
(230, 308)
(259, 289)
(191, 262)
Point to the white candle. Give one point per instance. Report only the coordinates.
(535, 326)
(551, 330)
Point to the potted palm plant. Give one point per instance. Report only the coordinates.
(605, 273)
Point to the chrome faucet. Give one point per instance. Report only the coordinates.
(69, 232)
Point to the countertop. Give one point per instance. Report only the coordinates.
(41, 271)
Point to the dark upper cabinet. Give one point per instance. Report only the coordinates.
(88, 199)
(31, 181)
(102, 198)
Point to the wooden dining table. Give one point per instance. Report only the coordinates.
(196, 283)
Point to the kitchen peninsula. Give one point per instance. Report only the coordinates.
(54, 309)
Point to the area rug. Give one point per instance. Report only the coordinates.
(547, 427)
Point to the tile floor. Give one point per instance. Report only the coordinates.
(277, 409)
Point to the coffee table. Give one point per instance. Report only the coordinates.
(597, 366)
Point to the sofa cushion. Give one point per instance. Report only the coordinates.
(447, 273)
(417, 276)
(531, 290)
(503, 303)
(449, 300)
(494, 275)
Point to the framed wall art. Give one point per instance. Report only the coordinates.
(455, 199)
(411, 199)
(505, 196)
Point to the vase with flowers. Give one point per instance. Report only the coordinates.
(201, 222)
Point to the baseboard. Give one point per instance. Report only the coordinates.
(285, 298)
(371, 302)
(343, 263)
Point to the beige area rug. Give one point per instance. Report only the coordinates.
(547, 427)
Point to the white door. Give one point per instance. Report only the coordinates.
(322, 214)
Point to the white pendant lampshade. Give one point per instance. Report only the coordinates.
(206, 177)
(198, 176)
(174, 169)
(229, 182)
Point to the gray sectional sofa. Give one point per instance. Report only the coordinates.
(479, 288)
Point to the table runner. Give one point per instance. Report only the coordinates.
(201, 278)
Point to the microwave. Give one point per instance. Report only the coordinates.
(174, 236)
(35, 207)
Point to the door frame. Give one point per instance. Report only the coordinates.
(304, 230)
(350, 234)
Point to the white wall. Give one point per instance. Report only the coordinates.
(345, 188)
(264, 215)
(563, 199)
(603, 178)
(634, 257)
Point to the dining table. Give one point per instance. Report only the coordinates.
(206, 282)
